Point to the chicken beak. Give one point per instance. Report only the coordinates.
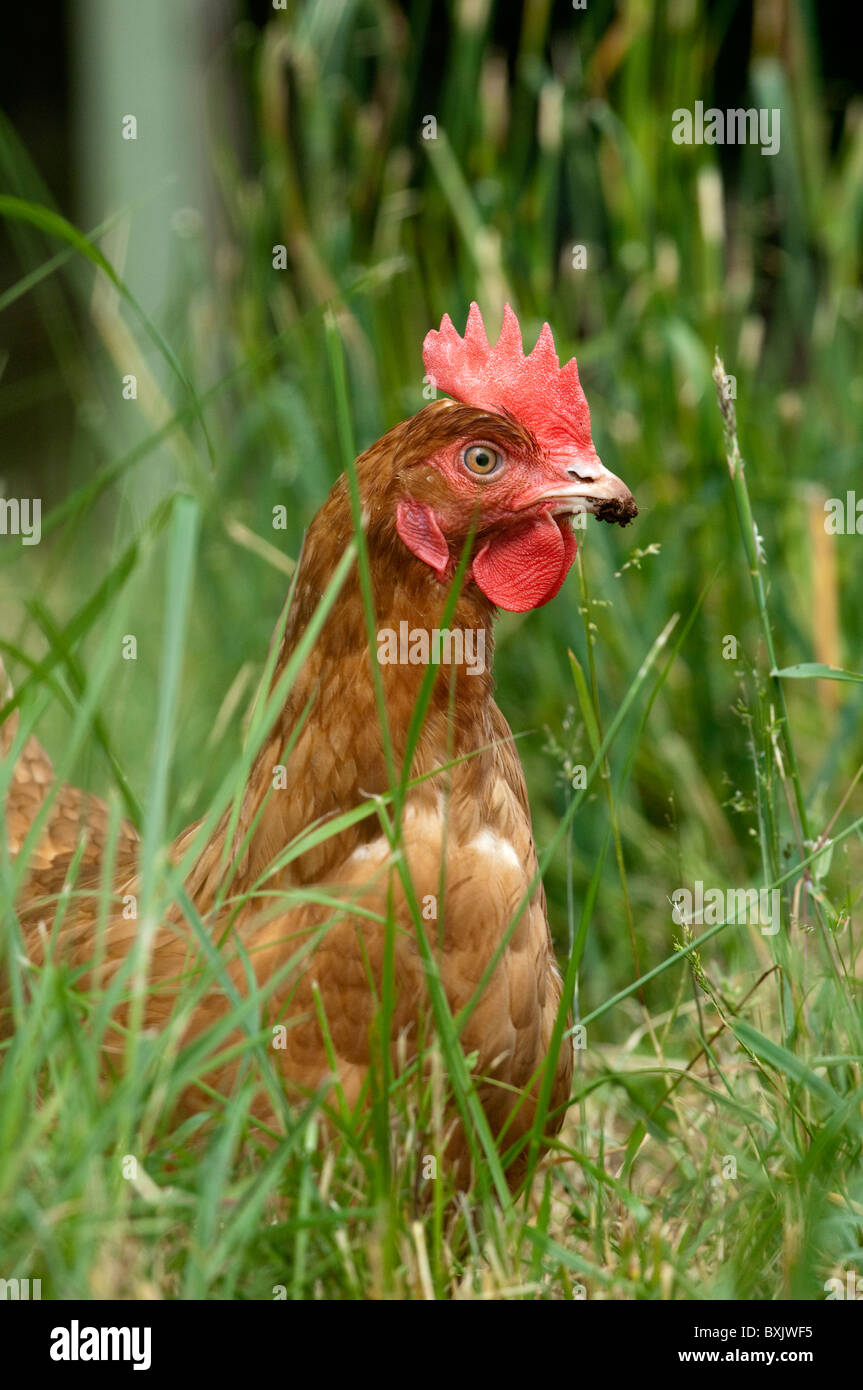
(593, 488)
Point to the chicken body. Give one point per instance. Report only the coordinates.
(314, 927)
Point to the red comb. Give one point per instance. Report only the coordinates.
(535, 389)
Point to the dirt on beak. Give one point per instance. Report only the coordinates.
(619, 510)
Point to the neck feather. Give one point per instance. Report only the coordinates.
(327, 740)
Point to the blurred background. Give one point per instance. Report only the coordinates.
(397, 161)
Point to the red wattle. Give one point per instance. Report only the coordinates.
(524, 566)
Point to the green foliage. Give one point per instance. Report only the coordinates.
(713, 1145)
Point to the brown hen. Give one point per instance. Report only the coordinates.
(499, 468)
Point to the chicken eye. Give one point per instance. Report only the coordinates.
(481, 459)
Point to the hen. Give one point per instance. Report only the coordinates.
(499, 467)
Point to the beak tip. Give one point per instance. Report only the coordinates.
(612, 500)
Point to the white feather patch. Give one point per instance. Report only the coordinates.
(495, 847)
(375, 849)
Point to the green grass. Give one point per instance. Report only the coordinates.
(712, 1148)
